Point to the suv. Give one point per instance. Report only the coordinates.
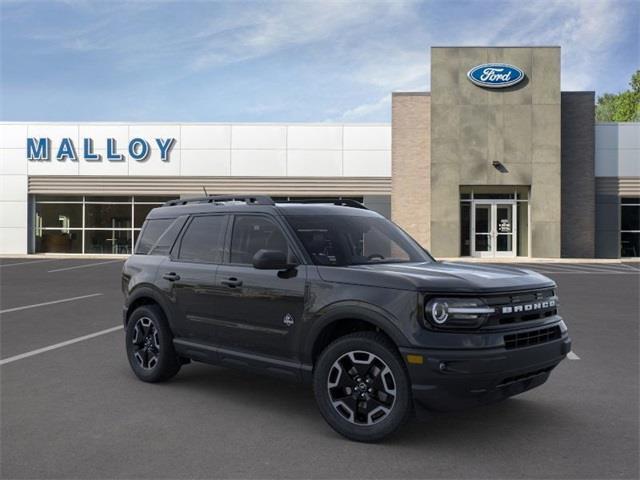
(333, 294)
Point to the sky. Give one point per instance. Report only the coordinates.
(277, 61)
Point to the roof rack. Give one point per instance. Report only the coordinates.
(345, 202)
(248, 199)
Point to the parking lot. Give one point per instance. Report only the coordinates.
(71, 407)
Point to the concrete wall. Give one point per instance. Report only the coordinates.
(578, 175)
(411, 166)
(518, 126)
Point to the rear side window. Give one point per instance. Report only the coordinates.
(204, 239)
(158, 236)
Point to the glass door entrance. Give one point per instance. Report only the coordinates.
(494, 229)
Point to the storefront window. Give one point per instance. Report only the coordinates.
(90, 224)
(630, 227)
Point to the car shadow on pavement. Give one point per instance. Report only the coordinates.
(290, 400)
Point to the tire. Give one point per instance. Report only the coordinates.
(149, 343)
(371, 402)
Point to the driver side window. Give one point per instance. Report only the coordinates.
(251, 233)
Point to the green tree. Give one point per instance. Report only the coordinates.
(621, 107)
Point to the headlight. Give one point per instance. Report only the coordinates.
(457, 312)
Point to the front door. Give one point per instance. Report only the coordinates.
(493, 229)
(258, 311)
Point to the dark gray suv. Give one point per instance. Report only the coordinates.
(333, 294)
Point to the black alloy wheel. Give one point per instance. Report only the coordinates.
(149, 343)
(362, 387)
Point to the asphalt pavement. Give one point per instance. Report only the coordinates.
(71, 408)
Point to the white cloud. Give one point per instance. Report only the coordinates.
(365, 111)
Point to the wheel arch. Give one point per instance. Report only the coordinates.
(145, 295)
(344, 319)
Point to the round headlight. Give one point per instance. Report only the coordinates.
(439, 312)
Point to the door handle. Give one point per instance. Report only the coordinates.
(232, 282)
(171, 276)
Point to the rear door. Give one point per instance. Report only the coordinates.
(190, 275)
(258, 311)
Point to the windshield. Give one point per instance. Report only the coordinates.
(341, 240)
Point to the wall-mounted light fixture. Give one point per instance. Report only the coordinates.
(499, 166)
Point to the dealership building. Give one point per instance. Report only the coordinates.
(494, 161)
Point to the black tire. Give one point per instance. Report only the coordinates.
(353, 411)
(153, 360)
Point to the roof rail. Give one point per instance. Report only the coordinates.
(248, 199)
(344, 202)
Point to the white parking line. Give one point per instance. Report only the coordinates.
(36, 305)
(572, 356)
(82, 266)
(3, 265)
(15, 358)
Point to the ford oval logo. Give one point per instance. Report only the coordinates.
(495, 75)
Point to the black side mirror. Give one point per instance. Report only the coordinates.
(271, 260)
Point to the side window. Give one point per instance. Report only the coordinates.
(158, 235)
(252, 233)
(204, 239)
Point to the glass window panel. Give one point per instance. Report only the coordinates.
(338, 240)
(140, 212)
(59, 215)
(630, 217)
(483, 218)
(253, 233)
(504, 243)
(159, 236)
(153, 198)
(153, 229)
(483, 243)
(58, 198)
(107, 241)
(493, 196)
(111, 199)
(523, 229)
(504, 220)
(108, 215)
(57, 241)
(465, 229)
(630, 244)
(632, 200)
(204, 239)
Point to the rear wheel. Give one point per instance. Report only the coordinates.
(150, 345)
(362, 387)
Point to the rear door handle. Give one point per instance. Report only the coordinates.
(232, 282)
(171, 276)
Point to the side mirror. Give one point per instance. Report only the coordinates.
(271, 260)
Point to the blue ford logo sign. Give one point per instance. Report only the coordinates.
(495, 75)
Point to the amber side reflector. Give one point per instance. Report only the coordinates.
(415, 359)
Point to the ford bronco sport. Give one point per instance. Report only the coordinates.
(335, 295)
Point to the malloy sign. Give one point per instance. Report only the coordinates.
(40, 149)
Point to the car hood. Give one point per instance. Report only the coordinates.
(438, 277)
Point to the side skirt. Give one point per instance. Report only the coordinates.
(201, 352)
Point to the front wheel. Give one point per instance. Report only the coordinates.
(150, 345)
(362, 387)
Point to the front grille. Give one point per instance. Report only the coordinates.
(526, 300)
(532, 337)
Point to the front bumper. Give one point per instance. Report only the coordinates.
(452, 379)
